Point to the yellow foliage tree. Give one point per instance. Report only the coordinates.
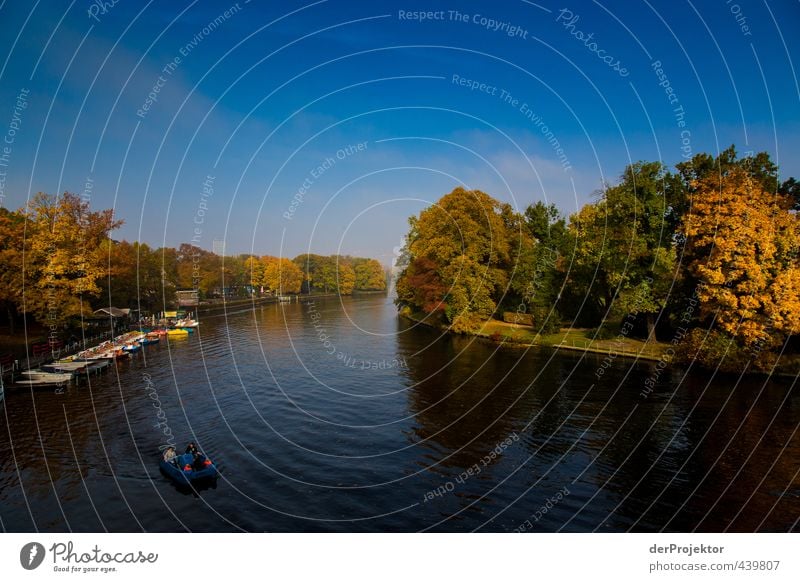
(281, 275)
(742, 244)
(66, 256)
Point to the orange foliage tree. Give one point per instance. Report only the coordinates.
(742, 244)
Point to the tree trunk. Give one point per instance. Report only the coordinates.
(651, 326)
(11, 316)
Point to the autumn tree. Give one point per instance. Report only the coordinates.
(742, 244)
(233, 274)
(369, 275)
(281, 276)
(164, 264)
(65, 262)
(345, 277)
(136, 276)
(328, 274)
(254, 270)
(419, 286)
(318, 273)
(461, 246)
(12, 228)
(198, 269)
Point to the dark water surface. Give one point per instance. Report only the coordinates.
(339, 416)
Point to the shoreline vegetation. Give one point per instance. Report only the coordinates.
(59, 264)
(514, 335)
(697, 267)
(518, 336)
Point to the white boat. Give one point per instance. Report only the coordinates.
(38, 382)
(55, 377)
(67, 366)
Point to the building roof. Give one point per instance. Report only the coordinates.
(112, 311)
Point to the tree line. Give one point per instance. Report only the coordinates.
(58, 263)
(707, 253)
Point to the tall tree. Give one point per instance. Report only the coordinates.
(345, 277)
(281, 276)
(199, 269)
(539, 276)
(742, 248)
(12, 228)
(463, 239)
(254, 269)
(65, 262)
(624, 251)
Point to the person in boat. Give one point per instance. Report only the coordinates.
(198, 458)
(170, 454)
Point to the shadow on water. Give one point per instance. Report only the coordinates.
(340, 416)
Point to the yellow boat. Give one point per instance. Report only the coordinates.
(176, 333)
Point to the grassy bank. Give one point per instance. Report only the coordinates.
(522, 336)
(571, 339)
(576, 339)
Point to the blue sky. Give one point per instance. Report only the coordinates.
(273, 100)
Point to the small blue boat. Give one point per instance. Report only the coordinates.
(188, 467)
(148, 341)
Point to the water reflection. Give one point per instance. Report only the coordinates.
(314, 437)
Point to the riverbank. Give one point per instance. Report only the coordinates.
(574, 339)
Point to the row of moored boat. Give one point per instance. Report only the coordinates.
(99, 358)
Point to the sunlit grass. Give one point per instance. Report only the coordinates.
(571, 338)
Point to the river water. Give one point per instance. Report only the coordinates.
(337, 415)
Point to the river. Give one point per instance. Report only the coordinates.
(337, 415)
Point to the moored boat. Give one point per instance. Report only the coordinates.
(72, 366)
(177, 333)
(54, 377)
(33, 382)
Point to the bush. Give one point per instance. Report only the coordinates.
(711, 349)
(546, 320)
(518, 318)
(607, 330)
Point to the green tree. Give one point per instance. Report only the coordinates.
(624, 246)
(460, 244)
(539, 277)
